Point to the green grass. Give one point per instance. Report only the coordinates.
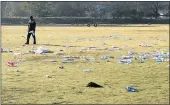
(30, 85)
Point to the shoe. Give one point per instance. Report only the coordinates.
(34, 43)
(26, 43)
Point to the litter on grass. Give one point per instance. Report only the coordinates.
(42, 50)
(106, 57)
(87, 70)
(5, 50)
(11, 64)
(127, 57)
(90, 59)
(130, 52)
(50, 60)
(93, 84)
(125, 61)
(61, 67)
(66, 61)
(145, 45)
(131, 89)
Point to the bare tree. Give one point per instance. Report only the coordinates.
(153, 8)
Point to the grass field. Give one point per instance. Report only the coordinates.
(31, 86)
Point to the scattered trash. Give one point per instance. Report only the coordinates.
(106, 57)
(48, 76)
(129, 38)
(166, 60)
(145, 45)
(90, 47)
(70, 57)
(90, 59)
(143, 57)
(5, 50)
(87, 70)
(127, 57)
(61, 67)
(42, 50)
(125, 61)
(160, 54)
(101, 49)
(50, 60)
(67, 46)
(159, 59)
(131, 89)
(130, 52)
(18, 54)
(59, 53)
(66, 61)
(95, 85)
(141, 60)
(115, 48)
(10, 64)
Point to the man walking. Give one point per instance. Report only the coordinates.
(31, 30)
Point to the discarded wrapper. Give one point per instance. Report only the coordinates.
(131, 89)
(11, 64)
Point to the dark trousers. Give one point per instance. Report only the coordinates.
(33, 35)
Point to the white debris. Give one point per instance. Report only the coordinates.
(106, 57)
(128, 38)
(145, 45)
(127, 57)
(42, 50)
(125, 61)
(90, 59)
(59, 53)
(130, 52)
(50, 60)
(87, 70)
(47, 76)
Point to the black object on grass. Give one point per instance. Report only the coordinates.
(92, 84)
(61, 67)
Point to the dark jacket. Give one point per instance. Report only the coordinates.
(32, 25)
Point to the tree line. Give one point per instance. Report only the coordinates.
(107, 9)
